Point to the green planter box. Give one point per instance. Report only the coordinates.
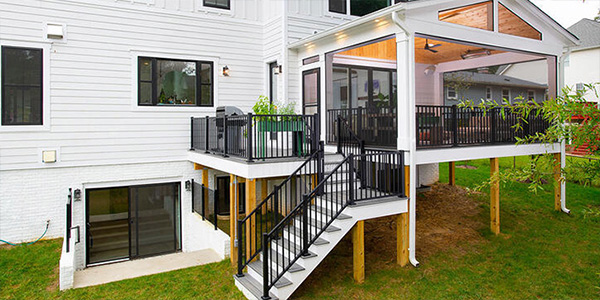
(280, 126)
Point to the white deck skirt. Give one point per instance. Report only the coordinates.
(242, 168)
(426, 156)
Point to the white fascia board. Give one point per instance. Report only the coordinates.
(428, 156)
(244, 169)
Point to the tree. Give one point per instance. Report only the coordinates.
(559, 114)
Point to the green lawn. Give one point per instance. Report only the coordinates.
(541, 254)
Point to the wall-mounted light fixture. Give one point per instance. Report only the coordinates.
(278, 69)
(188, 185)
(77, 195)
(49, 156)
(226, 71)
(430, 69)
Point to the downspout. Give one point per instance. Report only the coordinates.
(563, 153)
(412, 203)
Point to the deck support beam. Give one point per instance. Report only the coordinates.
(358, 246)
(250, 206)
(233, 213)
(452, 173)
(495, 196)
(557, 182)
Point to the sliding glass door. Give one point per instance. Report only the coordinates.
(132, 222)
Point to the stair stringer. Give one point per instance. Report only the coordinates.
(367, 210)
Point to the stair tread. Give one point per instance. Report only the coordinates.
(328, 212)
(253, 286)
(287, 243)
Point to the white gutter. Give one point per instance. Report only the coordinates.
(412, 201)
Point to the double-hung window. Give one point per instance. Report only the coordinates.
(174, 82)
(22, 90)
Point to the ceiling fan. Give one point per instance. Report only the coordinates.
(429, 47)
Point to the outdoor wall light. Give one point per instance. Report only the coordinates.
(77, 195)
(55, 31)
(226, 71)
(278, 69)
(188, 185)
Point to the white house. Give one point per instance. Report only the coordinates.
(109, 129)
(583, 63)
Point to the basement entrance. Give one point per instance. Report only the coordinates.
(132, 222)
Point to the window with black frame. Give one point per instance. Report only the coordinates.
(358, 7)
(173, 82)
(223, 4)
(22, 86)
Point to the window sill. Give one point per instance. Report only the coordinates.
(174, 108)
(24, 128)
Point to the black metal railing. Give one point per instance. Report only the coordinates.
(302, 226)
(347, 140)
(256, 137)
(451, 126)
(68, 220)
(205, 203)
(271, 210)
(377, 126)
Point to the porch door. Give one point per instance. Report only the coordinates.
(311, 92)
(224, 196)
(132, 222)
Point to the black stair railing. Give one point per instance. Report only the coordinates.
(292, 237)
(347, 140)
(271, 210)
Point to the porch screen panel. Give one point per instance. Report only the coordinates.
(360, 88)
(337, 6)
(479, 15)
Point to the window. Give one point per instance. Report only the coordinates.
(451, 93)
(174, 82)
(579, 87)
(530, 95)
(311, 91)
(337, 6)
(510, 23)
(506, 96)
(488, 93)
(310, 60)
(223, 4)
(22, 86)
(357, 7)
(479, 15)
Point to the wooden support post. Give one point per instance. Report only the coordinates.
(495, 196)
(402, 239)
(557, 182)
(233, 214)
(264, 192)
(199, 167)
(250, 206)
(407, 180)
(452, 173)
(358, 245)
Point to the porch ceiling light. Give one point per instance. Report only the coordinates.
(226, 71)
(476, 53)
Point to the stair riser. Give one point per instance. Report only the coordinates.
(258, 277)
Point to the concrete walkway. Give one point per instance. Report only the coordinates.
(142, 267)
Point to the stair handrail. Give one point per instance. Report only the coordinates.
(343, 123)
(303, 208)
(244, 260)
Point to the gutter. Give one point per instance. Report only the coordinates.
(412, 203)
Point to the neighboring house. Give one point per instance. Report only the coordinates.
(110, 129)
(462, 86)
(582, 65)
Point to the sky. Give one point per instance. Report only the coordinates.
(568, 12)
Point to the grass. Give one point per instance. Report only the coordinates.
(540, 254)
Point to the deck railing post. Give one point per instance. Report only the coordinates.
(225, 136)
(240, 246)
(265, 265)
(493, 120)
(207, 146)
(249, 136)
(320, 165)
(362, 165)
(316, 138)
(351, 179)
(455, 125)
(192, 134)
(359, 122)
(305, 235)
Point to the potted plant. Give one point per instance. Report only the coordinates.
(276, 118)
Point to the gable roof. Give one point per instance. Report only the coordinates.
(588, 32)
